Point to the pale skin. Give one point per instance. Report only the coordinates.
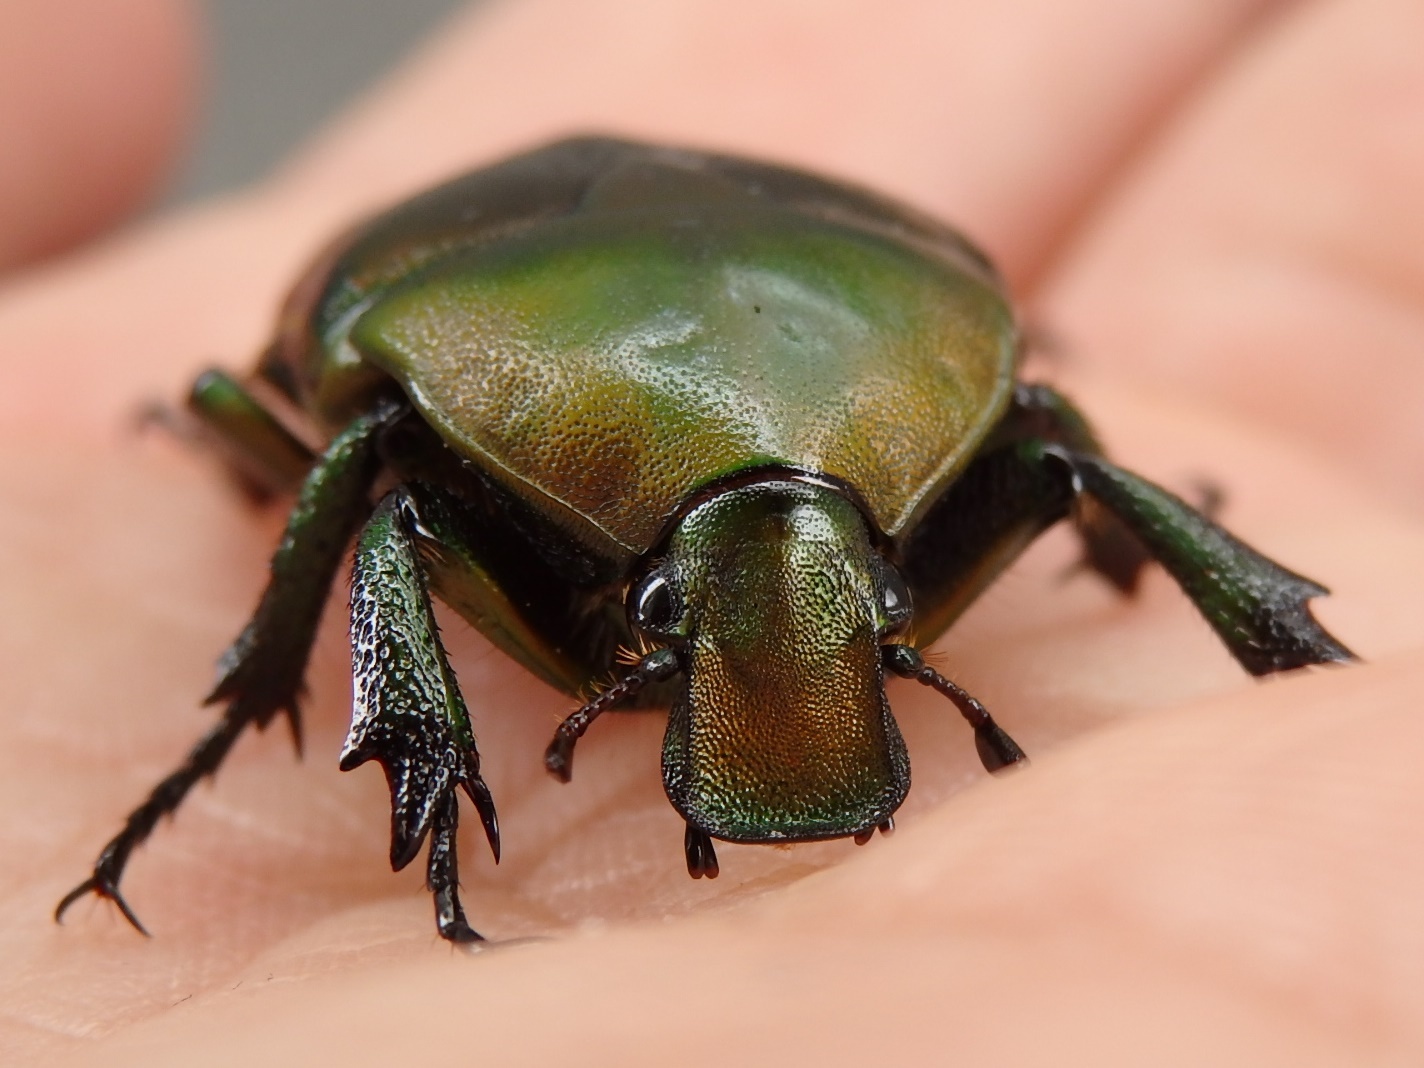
(1213, 207)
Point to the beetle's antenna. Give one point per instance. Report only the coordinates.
(658, 665)
(996, 749)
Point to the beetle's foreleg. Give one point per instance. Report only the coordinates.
(505, 590)
(409, 714)
(658, 665)
(261, 674)
(996, 749)
(1258, 608)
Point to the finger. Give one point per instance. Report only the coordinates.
(1005, 117)
(1001, 116)
(94, 99)
(1269, 256)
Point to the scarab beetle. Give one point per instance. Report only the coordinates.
(748, 422)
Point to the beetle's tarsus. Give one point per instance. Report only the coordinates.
(294, 728)
(103, 887)
(443, 876)
(1210, 497)
(701, 856)
(90, 885)
(887, 826)
(1109, 548)
(202, 761)
(450, 919)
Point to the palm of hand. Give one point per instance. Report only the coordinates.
(1211, 207)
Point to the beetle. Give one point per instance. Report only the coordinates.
(722, 428)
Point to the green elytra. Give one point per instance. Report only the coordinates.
(751, 423)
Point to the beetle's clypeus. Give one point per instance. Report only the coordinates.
(746, 420)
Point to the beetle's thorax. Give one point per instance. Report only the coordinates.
(783, 731)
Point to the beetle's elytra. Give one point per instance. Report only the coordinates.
(748, 421)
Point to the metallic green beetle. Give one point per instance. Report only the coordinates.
(749, 422)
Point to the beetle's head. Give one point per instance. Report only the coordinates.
(777, 603)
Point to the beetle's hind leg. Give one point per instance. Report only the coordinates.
(409, 715)
(262, 453)
(261, 674)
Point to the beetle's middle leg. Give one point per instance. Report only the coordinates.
(261, 674)
(1010, 494)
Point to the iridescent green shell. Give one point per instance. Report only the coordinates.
(604, 327)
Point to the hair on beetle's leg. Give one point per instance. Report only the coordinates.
(701, 856)
(408, 714)
(658, 665)
(996, 749)
(260, 675)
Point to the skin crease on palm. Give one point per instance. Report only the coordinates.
(1213, 208)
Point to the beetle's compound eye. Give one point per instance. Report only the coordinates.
(654, 606)
(894, 600)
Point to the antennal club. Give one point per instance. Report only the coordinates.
(996, 749)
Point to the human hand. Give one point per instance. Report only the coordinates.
(1211, 205)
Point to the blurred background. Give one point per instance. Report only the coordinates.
(278, 69)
